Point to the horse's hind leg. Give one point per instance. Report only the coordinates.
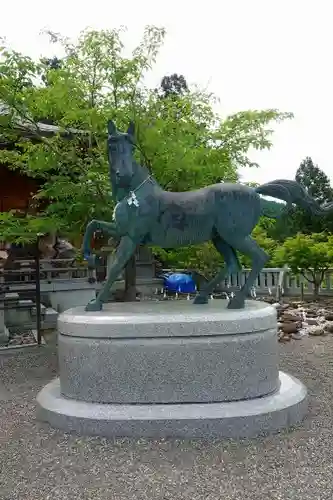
(249, 247)
(232, 265)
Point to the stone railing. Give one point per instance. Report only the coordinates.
(272, 281)
(57, 277)
(24, 271)
(62, 282)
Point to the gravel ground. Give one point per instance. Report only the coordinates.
(40, 463)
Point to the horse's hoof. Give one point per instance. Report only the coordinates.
(236, 303)
(94, 305)
(201, 299)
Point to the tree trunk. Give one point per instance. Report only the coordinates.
(317, 282)
(316, 286)
(130, 280)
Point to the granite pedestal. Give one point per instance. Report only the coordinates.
(162, 369)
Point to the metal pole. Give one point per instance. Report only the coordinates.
(38, 297)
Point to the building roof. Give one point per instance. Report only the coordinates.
(43, 128)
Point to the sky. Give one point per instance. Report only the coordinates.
(253, 54)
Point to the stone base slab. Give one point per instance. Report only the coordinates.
(168, 353)
(237, 419)
(170, 370)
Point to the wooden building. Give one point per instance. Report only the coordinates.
(17, 189)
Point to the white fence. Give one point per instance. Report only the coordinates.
(272, 279)
(72, 277)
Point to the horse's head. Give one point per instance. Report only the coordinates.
(120, 154)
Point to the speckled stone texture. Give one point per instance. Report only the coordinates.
(238, 419)
(172, 318)
(171, 368)
(180, 360)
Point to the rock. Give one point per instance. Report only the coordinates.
(280, 307)
(297, 336)
(316, 331)
(295, 305)
(329, 316)
(311, 313)
(291, 327)
(312, 321)
(271, 300)
(328, 327)
(290, 317)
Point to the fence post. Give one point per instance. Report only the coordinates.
(38, 295)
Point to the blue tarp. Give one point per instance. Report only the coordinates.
(179, 282)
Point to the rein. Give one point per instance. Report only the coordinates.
(142, 183)
(131, 198)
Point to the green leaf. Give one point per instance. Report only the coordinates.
(180, 137)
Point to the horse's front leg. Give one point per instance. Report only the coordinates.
(124, 252)
(108, 228)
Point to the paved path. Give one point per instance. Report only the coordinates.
(40, 463)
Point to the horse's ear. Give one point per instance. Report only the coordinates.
(131, 129)
(112, 129)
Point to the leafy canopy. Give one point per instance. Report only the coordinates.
(308, 255)
(298, 220)
(180, 137)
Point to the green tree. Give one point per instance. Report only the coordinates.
(317, 184)
(188, 145)
(93, 83)
(314, 180)
(50, 64)
(181, 138)
(308, 255)
(174, 85)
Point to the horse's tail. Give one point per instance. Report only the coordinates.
(293, 193)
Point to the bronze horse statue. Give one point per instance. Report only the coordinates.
(224, 213)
